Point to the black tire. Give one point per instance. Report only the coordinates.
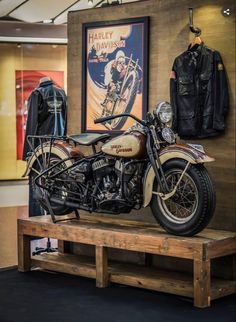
(41, 194)
(191, 208)
(132, 82)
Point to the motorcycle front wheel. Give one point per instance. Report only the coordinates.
(191, 208)
(57, 191)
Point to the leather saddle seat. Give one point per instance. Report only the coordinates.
(89, 138)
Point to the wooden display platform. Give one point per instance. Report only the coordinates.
(107, 232)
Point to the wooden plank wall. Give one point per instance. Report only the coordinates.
(169, 36)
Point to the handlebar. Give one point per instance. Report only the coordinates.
(108, 118)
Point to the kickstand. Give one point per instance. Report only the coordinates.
(53, 216)
(48, 249)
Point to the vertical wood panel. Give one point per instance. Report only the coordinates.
(101, 267)
(169, 36)
(23, 251)
(201, 282)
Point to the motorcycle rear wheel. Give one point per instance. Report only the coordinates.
(191, 208)
(42, 195)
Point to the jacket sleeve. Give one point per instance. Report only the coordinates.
(32, 120)
(173, 97)
(65, 131)
(221, 95)
(65, 115)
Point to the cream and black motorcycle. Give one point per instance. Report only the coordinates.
(142, 167)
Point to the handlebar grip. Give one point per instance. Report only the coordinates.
(101, 120)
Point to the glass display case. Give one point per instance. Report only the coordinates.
(21, 66)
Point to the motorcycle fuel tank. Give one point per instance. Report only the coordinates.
(126, 146)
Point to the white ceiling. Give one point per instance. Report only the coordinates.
(37, 11)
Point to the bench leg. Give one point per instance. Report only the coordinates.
(23, 253)
(202, 283)
(101, 267)
(63, 246)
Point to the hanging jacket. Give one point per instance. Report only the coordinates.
(47, 113)
(199, 93)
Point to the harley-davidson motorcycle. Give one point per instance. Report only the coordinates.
(142, 167)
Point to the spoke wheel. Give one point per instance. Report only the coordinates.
(191, 208)
(182, 206)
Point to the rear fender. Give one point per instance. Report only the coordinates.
(191, 153)
(61, 149)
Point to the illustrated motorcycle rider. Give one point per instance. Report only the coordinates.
(114, 74)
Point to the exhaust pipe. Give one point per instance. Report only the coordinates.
(65, 203)
(69, 204)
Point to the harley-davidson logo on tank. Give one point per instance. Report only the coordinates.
(127, 146)
(114, 72)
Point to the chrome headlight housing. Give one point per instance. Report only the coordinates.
(164, 112)
(168, 135)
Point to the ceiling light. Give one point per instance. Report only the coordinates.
(90, 3)
(47, 21)
(226, 12)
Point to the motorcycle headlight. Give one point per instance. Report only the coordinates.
(168, 135)
(164, 112)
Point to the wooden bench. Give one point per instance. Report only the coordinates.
(107, 232)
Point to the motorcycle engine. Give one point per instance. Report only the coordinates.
(110, 174)
(81, 171)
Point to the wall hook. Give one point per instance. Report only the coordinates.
(197, 31)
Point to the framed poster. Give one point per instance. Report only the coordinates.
(114, 75)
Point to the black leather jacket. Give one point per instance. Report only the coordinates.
(199, 93)
(47, 112)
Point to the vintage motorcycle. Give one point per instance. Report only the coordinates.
(142, 167)
(121, 96)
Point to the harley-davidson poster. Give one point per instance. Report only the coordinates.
(115, 73)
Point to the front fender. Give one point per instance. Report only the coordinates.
(190, 153)
(56, 150)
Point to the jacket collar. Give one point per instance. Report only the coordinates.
(46, 83)
(196, 49)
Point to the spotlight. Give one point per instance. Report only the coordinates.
(90, 3)
(226, 12)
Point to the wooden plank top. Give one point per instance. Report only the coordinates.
(131, 235)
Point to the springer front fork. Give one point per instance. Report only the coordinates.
(165, 196)
(165, 192)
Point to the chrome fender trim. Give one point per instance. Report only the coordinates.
(176, 151)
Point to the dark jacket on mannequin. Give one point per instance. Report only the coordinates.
(47, 112)
(199, 93)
